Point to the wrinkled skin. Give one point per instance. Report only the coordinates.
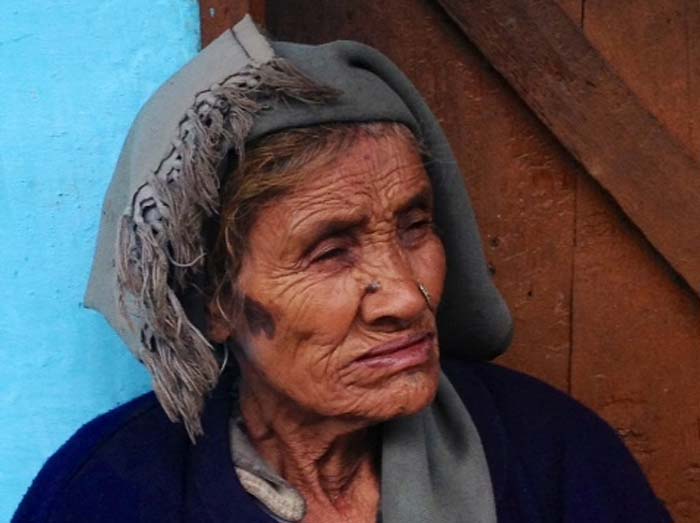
(306, 399)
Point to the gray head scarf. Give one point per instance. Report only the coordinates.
(150, 251)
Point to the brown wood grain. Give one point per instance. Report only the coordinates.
(636, 352)
(218, 15)
(635, 357)
(564, 80)
(521, 181)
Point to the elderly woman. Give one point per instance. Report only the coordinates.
(288, 247)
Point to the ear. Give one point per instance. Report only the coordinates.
(219, 327)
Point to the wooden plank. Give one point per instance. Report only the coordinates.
(636, 353)
(564, 80)
(218, 15)
(654, 57)
(520, 179)
(635, 357)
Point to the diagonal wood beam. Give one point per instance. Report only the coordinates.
(569, 86)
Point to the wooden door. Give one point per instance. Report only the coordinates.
(600, 311)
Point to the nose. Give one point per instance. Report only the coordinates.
(399, 301)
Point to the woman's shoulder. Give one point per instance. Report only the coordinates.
(519, 398)
(539, 421)
(93, 470)
(544, 446)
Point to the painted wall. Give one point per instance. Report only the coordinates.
(73, 74)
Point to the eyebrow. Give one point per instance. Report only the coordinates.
(421, 200)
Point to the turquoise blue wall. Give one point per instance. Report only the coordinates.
(73, 74)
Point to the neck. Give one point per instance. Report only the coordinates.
(330, 460)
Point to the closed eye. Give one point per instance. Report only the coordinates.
(330, 254)
(419, 224)
(414, 225)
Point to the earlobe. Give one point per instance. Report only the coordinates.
(219, 327)
(218, 333)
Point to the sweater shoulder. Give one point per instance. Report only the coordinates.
(124, 450)
(536, 417)
(567, 457)
(519, 395)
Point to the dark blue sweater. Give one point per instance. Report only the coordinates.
(551, 460)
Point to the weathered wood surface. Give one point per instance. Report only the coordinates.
(635, 357)
(636, 336)
(563, 79)
(218, 15)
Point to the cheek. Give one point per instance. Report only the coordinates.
(294, 337)
(430, 267)
(319, 315)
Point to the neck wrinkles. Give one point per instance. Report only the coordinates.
(329, 460)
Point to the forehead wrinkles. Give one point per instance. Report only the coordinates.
(372, 175)
(339, 198)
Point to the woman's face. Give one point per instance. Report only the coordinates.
(312, 329)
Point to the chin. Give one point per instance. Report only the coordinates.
(406, 393)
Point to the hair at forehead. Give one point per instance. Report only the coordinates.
(295, 148)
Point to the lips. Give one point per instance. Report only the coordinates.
(400, 354)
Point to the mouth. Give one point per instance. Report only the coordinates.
(400, 354)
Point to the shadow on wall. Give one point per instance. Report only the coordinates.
(74, 75)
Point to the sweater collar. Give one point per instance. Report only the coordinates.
(215, 481)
